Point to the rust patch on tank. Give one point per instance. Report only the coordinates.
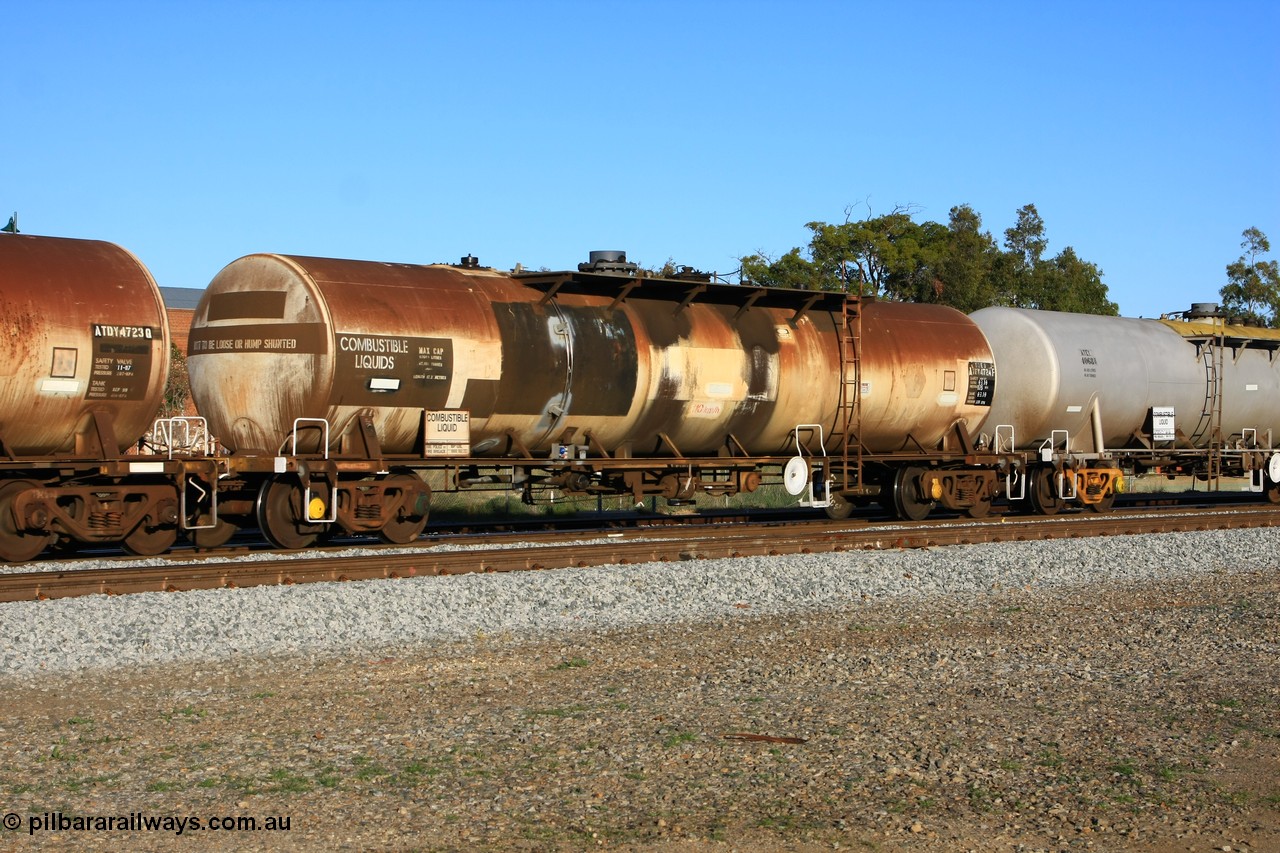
(924, 367)
(105, 348)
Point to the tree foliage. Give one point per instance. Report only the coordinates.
(1252, 291)
(177, 386)
(956, 264)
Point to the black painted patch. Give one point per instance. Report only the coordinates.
(247, 305)
(604, 361)
(590, 352)
(534, 362)
(381, 370)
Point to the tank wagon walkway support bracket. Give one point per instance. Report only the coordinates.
(621, 286)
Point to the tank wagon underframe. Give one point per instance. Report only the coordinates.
(83, 362)
(296, 498)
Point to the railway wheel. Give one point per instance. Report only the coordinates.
(411, 516)
(1273, 492)
(840, 508)
(1044, 492)
(148, 540)
(216, 536)
(281, 517)
(1105, 504)
(906, 500)
(18, 546)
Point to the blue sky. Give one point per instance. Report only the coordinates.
(193, 133)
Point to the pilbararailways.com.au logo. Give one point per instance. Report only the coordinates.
(143, 822)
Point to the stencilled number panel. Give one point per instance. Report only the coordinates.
(122, 357)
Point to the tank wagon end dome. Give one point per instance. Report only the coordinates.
(88, 332)
(1098, 378)
(281, 337)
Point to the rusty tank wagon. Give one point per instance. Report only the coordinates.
(604, 380)
(86, 355)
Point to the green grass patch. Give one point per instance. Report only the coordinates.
(283, 781)
(188, 712)
(981, 798)
(1050, 758)
(371, 770)
(1125, 769)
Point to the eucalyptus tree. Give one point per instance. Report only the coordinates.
(1252, 290)
(957, 264)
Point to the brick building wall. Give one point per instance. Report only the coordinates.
(180, 306)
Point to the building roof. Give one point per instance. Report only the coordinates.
(181, 297)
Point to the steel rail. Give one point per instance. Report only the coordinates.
(638, 546)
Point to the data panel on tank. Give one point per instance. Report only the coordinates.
(121, 361)
(1163, 424)
(982, 383)
(1089, 363)
(447, 433)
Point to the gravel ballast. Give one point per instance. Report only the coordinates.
(67, 635)
(1095, 694)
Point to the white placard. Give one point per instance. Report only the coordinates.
(448, 433)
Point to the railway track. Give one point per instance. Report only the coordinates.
(526, 551)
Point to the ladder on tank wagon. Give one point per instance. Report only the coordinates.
(850, 411)
(1213, 356)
